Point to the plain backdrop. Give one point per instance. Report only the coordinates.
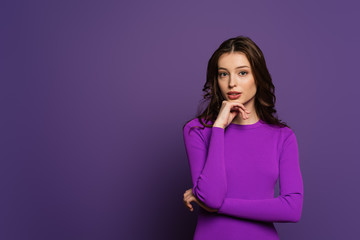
(94, 95)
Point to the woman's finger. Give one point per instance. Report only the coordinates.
(187, 200)
(191, 199)
(243, 114)
(188, 204)
(187, 194)
(237, 104)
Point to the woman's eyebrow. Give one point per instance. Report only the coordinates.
(235, 68)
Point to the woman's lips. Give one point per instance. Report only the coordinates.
(232, 96)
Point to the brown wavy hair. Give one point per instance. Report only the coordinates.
(265, 90)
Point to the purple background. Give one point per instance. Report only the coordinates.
(94, 95)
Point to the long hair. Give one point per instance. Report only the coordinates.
(265, 90)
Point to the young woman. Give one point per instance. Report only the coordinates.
(237, 149)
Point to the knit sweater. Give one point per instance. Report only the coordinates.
(235, 171)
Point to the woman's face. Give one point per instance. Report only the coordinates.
(235, 74)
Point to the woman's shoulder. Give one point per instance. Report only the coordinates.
(282, 131)
(194, 129)
(286, 133)
(195, 124)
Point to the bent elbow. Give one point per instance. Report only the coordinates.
(294, 207)
(211, 200)
(214, 203)
(297, 209)
(292, 216)
(295, 217)
(298, 212)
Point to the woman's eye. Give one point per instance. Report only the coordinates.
(243, 72)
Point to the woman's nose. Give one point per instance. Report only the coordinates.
(232, 81)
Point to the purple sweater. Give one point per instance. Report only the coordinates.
(235, 171)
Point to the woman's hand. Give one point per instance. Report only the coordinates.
(189, 197)
(228, 112)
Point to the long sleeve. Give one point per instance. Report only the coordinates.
(287, 207)
(206, 165)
